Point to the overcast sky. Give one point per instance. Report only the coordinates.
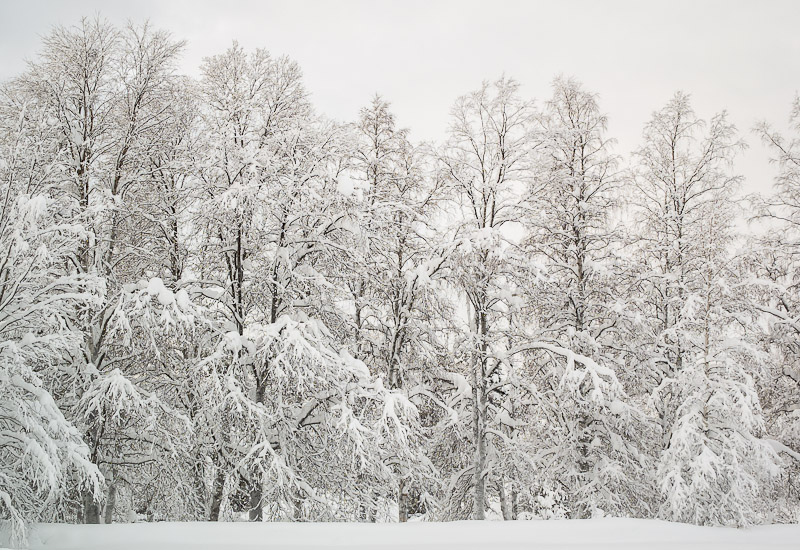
(421, 55)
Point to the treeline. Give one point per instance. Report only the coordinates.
(216, 303)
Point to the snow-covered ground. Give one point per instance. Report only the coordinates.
(600, 534)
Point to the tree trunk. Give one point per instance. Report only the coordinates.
(402, 502)
(201, 495)
(504, 507)
(91, 509)
(255, 506)
(479, 418)
(514, 504)
(256, 512)
(216, 496)
(480, 457)
(581, 511)
(372, 514)
(111, 501)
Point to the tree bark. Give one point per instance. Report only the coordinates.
(256, 512)
(402, 502)
(216, 496)
(91, 509)
(514, 504)
(111, 501)
(504, 507)
(256, 494)
(479, 418)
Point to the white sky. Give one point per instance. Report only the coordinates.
(421, 55)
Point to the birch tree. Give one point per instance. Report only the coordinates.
(486, 162)
(285, 395)
(43, 458)
(392, 270)
(99, 87)
(571, 199)
(703, 391)
(776, 296)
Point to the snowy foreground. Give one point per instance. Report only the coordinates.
(541, 535)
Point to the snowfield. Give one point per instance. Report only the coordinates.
(598, 534)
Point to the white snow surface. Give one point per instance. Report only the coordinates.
(595, 534)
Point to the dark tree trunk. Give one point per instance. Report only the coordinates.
(255, 512)
(216, 496)
(111, 501)
(91, 509)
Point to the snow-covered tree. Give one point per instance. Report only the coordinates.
(274, 218)
(682, 175)
(574, 299)
(713, 462)
(777, 298)
(216, 303)
(390, 268)
(43, 459)
(485, 163)
(103, 91)
(716, 452)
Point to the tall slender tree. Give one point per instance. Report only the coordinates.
(570, 205)
(703, 391)
(486, 162)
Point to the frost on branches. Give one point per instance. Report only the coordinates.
(43, 458)
(218, 304)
